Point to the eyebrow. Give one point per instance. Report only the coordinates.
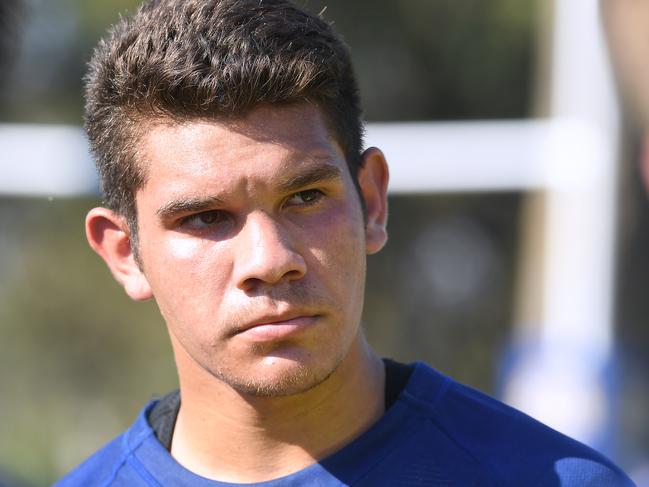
(288, 184)
(188, 205)
(321, 173)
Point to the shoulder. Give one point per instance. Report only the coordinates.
(507, 442)
(111, 465)
(99, 469)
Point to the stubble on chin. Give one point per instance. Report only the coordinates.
(298, 379)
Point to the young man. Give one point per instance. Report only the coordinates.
(228, 139)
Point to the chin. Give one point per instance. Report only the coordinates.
(278, 376)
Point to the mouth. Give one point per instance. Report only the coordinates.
(271, 328)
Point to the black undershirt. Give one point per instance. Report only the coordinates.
(162, 417)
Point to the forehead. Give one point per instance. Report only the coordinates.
(267, 140)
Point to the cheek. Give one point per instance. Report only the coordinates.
(173, 262)
(338, 245)
(182, 249)
(179, 259)
(185, 278)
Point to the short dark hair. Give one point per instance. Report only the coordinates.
(215, 59)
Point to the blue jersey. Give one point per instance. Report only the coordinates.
(437, 433)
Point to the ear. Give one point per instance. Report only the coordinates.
(108, 235)
(373, 179)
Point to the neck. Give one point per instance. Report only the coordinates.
(225, 435)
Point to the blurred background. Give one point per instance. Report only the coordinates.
(519, 228)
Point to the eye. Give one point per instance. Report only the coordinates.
(305, 198)
(203, 220)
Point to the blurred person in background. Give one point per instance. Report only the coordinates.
(228, 138)
(627, 26)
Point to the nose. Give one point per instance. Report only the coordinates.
(266, 254)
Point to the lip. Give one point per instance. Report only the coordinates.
(277, 327)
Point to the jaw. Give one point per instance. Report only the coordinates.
(282, 376)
